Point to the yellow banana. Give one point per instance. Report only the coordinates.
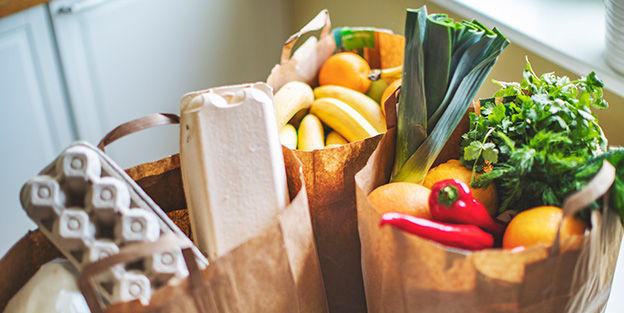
(387, 73)
(290, 99)
(288, 136)
(363, 104)
(311, 135)
(296, 119)
(393, 72)
(342, 118)
(334, 139)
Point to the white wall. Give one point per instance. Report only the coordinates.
(140, 57)
(391, 14)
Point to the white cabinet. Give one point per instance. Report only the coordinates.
(75, 69)
(124, 59)
(35, 124)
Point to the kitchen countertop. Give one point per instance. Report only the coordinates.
(8, 7)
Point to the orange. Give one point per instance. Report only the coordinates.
(539, 226)
(346, 69)
(389, 90)
(401, 197)
(454, 169)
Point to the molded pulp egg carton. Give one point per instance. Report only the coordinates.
(90, 208)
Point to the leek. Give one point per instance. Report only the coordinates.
(445, 64)
(414, 128)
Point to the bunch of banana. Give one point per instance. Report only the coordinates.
(305, 115)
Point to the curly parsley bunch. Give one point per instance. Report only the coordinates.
(542, 131)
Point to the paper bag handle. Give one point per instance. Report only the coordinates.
(320, 21)
(596, 188)
(142, 123)
(132, 253)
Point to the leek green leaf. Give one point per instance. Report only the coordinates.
(412, 108)
(445, 64)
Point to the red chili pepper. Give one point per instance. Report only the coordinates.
(451, 201)
(467, 237)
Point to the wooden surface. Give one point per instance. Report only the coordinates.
(8, 7)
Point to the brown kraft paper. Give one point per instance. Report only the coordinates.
(277, 271)
(405, 273)
(331, 196)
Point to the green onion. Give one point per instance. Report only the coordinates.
(445, 64)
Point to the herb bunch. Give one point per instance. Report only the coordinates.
(542, 131)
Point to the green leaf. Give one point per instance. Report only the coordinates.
(586, 115)
(506, 140)
(437, 59)
(498, 114)
(506, 124)
(542, 99)
(412, 108)
(416, 167)
(445, 63)
(469, 61)
(473, 151)
(594, 81)
(547, 132)
(490, 153)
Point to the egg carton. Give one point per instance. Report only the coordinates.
(90, 208)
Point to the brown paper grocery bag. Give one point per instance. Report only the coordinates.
(405, 273)
(277, 271)
(304, 63)
(160, 180)
(329, 172)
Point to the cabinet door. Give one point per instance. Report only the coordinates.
(124, 59)
(35, 126)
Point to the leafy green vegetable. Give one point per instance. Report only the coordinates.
(412, 108)
(445, 63)
(577, 179)
(540, 131)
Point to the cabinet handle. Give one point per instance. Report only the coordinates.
(70, 7)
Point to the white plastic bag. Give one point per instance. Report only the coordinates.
(53, 289)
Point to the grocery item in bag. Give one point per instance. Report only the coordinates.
(276, 271)
(53, 289)
(403, 271)
(237, 282)
(232, 165)
(329, 171)
(89, 208)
